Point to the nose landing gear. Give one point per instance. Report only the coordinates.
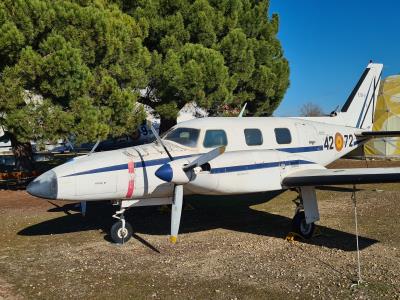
(121, 231)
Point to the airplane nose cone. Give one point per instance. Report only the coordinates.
(44, 186)
(165, 173)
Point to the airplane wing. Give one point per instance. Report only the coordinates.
(317, 177)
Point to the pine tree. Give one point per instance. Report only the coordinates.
(68, 68)
(217, 53)
(79, 67)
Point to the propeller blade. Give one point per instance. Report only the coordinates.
(205, 158)
(176, 212)
(159, 140)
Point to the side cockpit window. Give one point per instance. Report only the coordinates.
(283, 136)
(253, 137)
(184, 136)
(215, 138)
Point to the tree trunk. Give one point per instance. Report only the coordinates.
(166, 124)
(23, 154)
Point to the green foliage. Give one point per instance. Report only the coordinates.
(70, 67)
(194, 73)
(217, 53)
(76, 67)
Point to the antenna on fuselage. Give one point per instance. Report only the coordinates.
(155, 133)
(242, 111)
(335, 111)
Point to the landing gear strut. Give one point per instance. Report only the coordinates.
(299, 223)
(121, 231)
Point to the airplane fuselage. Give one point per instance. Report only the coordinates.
(280, 146)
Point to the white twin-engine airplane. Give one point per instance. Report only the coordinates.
(223, 156)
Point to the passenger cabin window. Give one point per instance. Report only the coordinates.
(215, 138)
(283, 136)
(184, 136)
(253, 137)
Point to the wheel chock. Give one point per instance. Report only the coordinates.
(291, 237)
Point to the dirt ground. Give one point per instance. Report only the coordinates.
(229, 248)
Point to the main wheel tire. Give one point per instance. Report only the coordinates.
(300, 226)
(119, 235)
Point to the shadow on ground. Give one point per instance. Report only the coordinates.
(210, 212)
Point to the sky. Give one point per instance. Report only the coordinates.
(329, 44)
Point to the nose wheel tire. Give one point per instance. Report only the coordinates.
(300, 226)
(121, 234)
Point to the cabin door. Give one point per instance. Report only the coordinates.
(306, 136)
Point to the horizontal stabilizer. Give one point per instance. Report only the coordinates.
(317, 177)
(378, 134)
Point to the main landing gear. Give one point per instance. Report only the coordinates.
(121, 231)
(302, 225)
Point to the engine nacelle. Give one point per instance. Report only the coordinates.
(240, 172)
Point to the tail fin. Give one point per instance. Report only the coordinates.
(358, 111)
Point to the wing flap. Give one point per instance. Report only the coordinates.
(315, 177)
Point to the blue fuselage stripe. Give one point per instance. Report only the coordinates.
(259, 166)
(161, 161)
(100, 170)
(302, 149)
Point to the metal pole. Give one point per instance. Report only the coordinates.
(353, 197)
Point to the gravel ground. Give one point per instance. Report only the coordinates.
(229, 248)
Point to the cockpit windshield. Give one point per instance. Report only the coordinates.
(185, 136)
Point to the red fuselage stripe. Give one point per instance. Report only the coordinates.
(131, 183)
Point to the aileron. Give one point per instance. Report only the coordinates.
(315, 177)
(378, 134)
